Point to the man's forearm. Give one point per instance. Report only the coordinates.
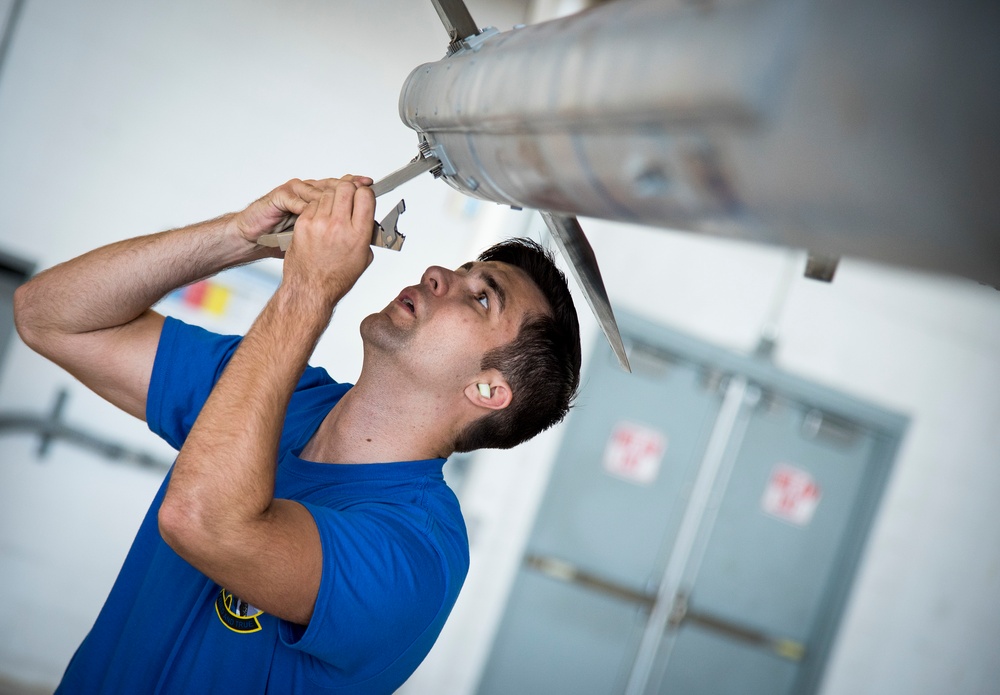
(219, 512)
(232, 448)
(227, 469)
(224, 476)
(115, 284)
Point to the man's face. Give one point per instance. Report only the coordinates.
(443, 326)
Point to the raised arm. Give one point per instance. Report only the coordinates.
(219, 512)
(91, 315)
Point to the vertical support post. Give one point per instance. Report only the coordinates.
(713, 475)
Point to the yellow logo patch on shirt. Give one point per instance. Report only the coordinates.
(237, 614)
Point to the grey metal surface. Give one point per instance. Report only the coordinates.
(457, 20)
(386, 233)
(846, 128)
(411, 170)
(572, 242)
(821, 268)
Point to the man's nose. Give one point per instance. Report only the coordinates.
(437, 279)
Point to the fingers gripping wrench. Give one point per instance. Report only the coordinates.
(385, 233)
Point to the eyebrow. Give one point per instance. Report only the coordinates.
(491, 282)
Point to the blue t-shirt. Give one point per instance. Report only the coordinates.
(395, 555)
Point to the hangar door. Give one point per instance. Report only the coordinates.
(700, 531)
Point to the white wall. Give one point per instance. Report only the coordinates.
(119, 118)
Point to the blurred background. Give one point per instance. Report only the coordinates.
(795, 491)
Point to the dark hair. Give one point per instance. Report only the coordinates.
(542, 364)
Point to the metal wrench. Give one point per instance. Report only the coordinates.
(384, 234)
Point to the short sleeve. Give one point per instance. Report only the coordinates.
(189, 361)
(383, 585)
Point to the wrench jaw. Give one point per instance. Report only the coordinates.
(385, 234)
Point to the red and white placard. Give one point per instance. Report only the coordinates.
(791, 495)
(634, 453)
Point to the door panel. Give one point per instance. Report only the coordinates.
(706, 662)
(764, 573)
(762, 570)
(561, 638)
(595, 519)
(751, 594)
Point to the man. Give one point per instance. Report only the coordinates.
(304, 540)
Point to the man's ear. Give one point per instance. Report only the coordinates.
(493, 383)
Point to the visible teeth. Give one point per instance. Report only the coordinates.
(408, 302)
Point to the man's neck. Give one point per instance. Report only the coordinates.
(373, 425)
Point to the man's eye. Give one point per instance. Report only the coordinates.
(484, 300)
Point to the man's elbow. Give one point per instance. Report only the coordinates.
(28, 317)
(182, 527)
(193, 525)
